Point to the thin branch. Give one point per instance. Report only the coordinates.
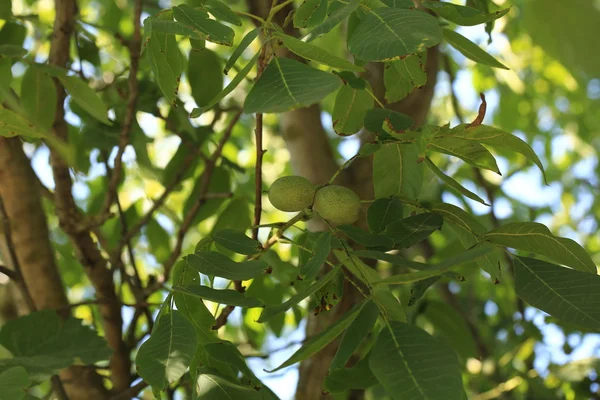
(134, 53)
(191, 214)
(9, 273)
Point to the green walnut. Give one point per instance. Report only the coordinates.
(337, 204)
(291, 193)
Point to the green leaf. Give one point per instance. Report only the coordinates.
(537, 238)
(402, 76)
(44, 344)
(369, 148)
(14, 381)
(219, 183)
(228, 353)
(410, 231)
(173, 28)
(366, 238)
(192, 307)
(196, 112)
(461, 15)
(471, 50)
(6, 11)
(354, 335)
(220, 11)
(439, 268)
(395, 259)
(165, 61)
(570, 295)
(382, 120)
(166, 355)
(222, 296)
(453, 183)
(350, 108)
(334, 19)
(270, 312)
(388, 304)
(206, 28)
(321, 250)
(459, 217)
(205, 75)
(358, 268)
(236, 241)
(315, 53)
(397, 172)
(310, 13)
(391, 33)
(452, 327)
(215, 264)
(382, 212)
(357, 377)
(246, 41)
(287, 84)
(411, 364)
(11, 50)
(469, 151)
(13, 124)
(497, 138)
(211, 386)
(316, 343)
(418, 289)
(85, 97)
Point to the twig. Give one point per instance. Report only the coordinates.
(191, 214)
(131, 392)
(130, 112)
(15, 274)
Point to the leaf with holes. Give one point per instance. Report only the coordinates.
(286, 84)
(206, 28)
(391, 33)
(411, 364)
(537, 238)
(573, 296)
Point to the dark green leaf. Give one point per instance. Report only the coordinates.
(410, 231)
(411, 364)
(321, 250)
(461, 15)
(221, 11)
(453, 183)
(467, 150)
(310, 13)
(323, 338)
(13, 51)
(216, 264)
(402, 76)
(237, 242)
(14, 381)
(366, 238)
(396, 171)
(357, 377)
(451, 325)
(206, 28)
(395, 259)
(222, 296)
(287, 84)
(388, 304)
(216, 387)
(246, 41)
(382, 212)
(570, 295)
(315, 53)
(166, 355)
(270, 312)
(44, 344)
(536, 238)
(334, 19)
(391, 33)
(471, 50)
(38, 97)
(394, 121)
(85, 97)
(354, 335)
(205, 75)
(350, 109)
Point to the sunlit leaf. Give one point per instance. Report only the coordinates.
(222, 296)
(471, 50)
(462, 15)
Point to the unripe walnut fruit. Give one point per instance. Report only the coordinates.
(337, 204)
(291, 193)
